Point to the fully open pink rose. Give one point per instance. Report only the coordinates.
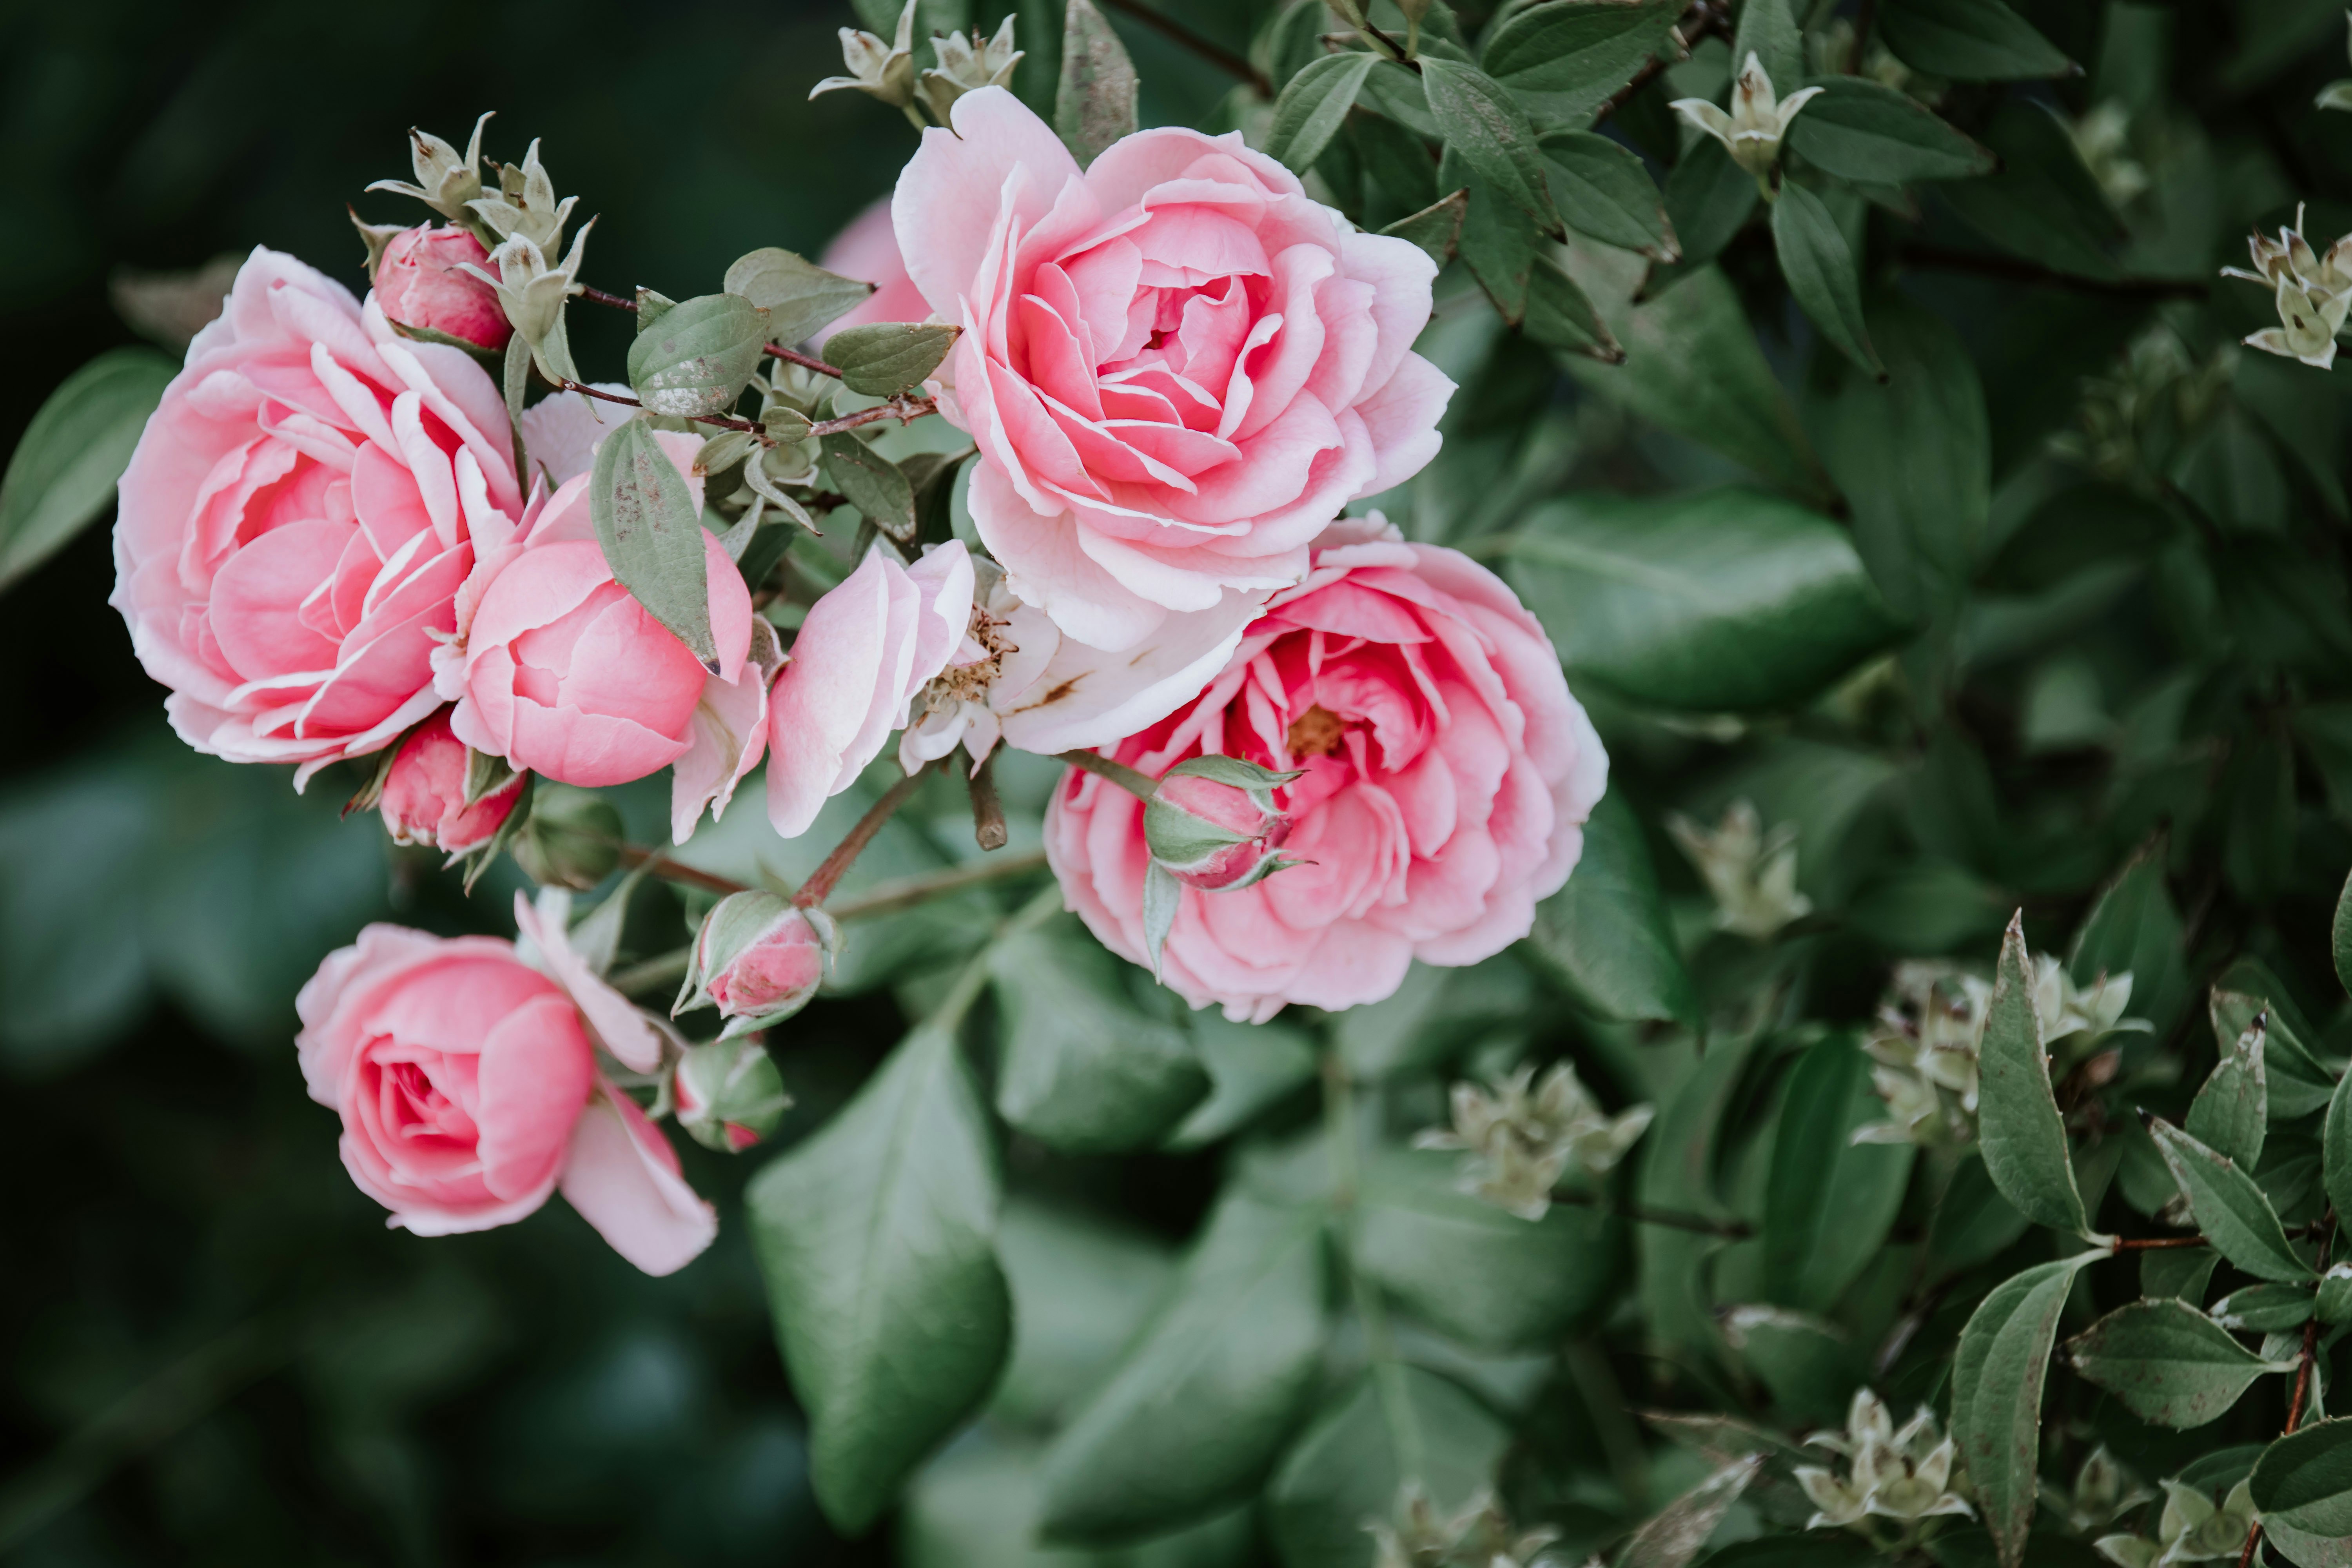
(420, 283)
(299, 516)
(865, 649)
(424, 793)
(468, 1092)
(1449, 772)
(1178, 368)
(867, 250)
(564, 673)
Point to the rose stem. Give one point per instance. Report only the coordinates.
(821, 879)
(1138, 785)
(805, 362)
(988, 827)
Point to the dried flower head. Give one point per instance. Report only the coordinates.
(885, 70)
(1526, 1135)
(1751, 872)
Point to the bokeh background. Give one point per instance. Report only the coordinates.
(211, 1349)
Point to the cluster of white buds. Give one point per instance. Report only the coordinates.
(2104, 1492)
(967, 64)
(885, 70)
(1752, 130)
(446, 181)
(1526, 1135)
(2312, 290)
(1932, 1025)
(1751, 872)
(1905, 1476)
(2193, 1528)
(1478, 1536)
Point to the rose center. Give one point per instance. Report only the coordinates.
(1316, 733)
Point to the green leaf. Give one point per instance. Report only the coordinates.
(1252, 1068)
(1864, 130)
(1813, 1549)
(2043, 204)
(1436, 228)
(2182, 1272)
(2229, 1207)
(870, 482)
(1820, 272)
(1681, 1528)
(1693, 366)
(1828, 1201)
(2304, 1479)
(2022, 1135)
(2298, 1083)
(1469, 1269)
(1731, 600)
(1603, 191)
(1708, 197)
(1973, 1223)
(652, 534)
(2265, 1308)
(1997, 1380)
(1196, 1410)
(1677, 1163)
(885, 358)
(1395, 1424)
(1496, 239)
(1559, 316)
(1565, 58)
(1969, 40)
(1769, 31)
(1605, 936)
(1808, 1365)
(1313, 105)
(1913, 454)
(1396, 160)
(2335, 1146)
(2340, 935)
(1081, 1070)
(2169, 1362)
(63, 472)
(698, 358)
(877, 1238)
(1081, 1286)
(2232, 1110)
(975, 1506)
(799, 296)
(1095, 105)
(1491, 131)
(2133, 929)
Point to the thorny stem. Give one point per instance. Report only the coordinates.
(1139, 784)
(821, 879)
(807, 362)
(2016, 270)
(1217, 54)
(1712, 18)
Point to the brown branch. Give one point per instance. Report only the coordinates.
(821, 879)
(2149, 1243)
(656, 863)
(988, 830)
(723, 421)
(807, 362)
(2302, 1382)
(2015, 269)
(902, 408)
(598, 297)
(1217, 54)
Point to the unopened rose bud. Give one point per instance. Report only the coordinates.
(758, 959)
(421, 284)
(1214, 825)
(572, 840)
(424, 799)
(729, 1094)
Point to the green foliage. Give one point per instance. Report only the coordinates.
(64, 468)
(652, 534)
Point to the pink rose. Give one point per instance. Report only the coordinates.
(468, 1093)
(1178, 368)
(866, 649)
(758, 959)
(868, 250)
(420, 281)
(424, 793)
(1448, 775)
(564, 673)
(1211, 836)
(298, 517)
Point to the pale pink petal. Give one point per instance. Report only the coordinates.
(623, 1177)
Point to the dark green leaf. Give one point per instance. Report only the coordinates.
(2265, 1308)
(2043, 204)
(2335, 1146)
(62, 474)
(1469, 1269)
(1814, 1549)
(2232, 1108)
(1095, 105)
(1565, 58)
(1861, 129)
(1313, 105)
(2133, 929)
(1397, 1423)
(1969, 40)
(1559, 316)
(799, 296)
(1603, 191)
(2340, 935)
(2229, 1207)
(1677, 1164)
(1198, 1407)
(885, 358)
(1820, 272)
(2169, 1362)
(872, 483)
(2305, 1480)
(2023, 1137)
(1488, 128)
(1252, 1066)
(1605, 935)
(1495, 237)
(1730, 600)
(1828, 1201)
(1709, 198)
(1396, 160)
(1437, 228)
(1769, 31)
(698, 358)
(1081, 1286)
(1081, 1070)
(1997, 1380)
(1681, 1529)
(652, 534)
(1809, 1365)
(1973, 1222)
(2177, 1272)
(2298, 1083)
(875, 1235)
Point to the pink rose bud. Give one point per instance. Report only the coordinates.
(424, 799)
(421, 284)
(1214, 825)
(758, 959)
(729, 1095)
